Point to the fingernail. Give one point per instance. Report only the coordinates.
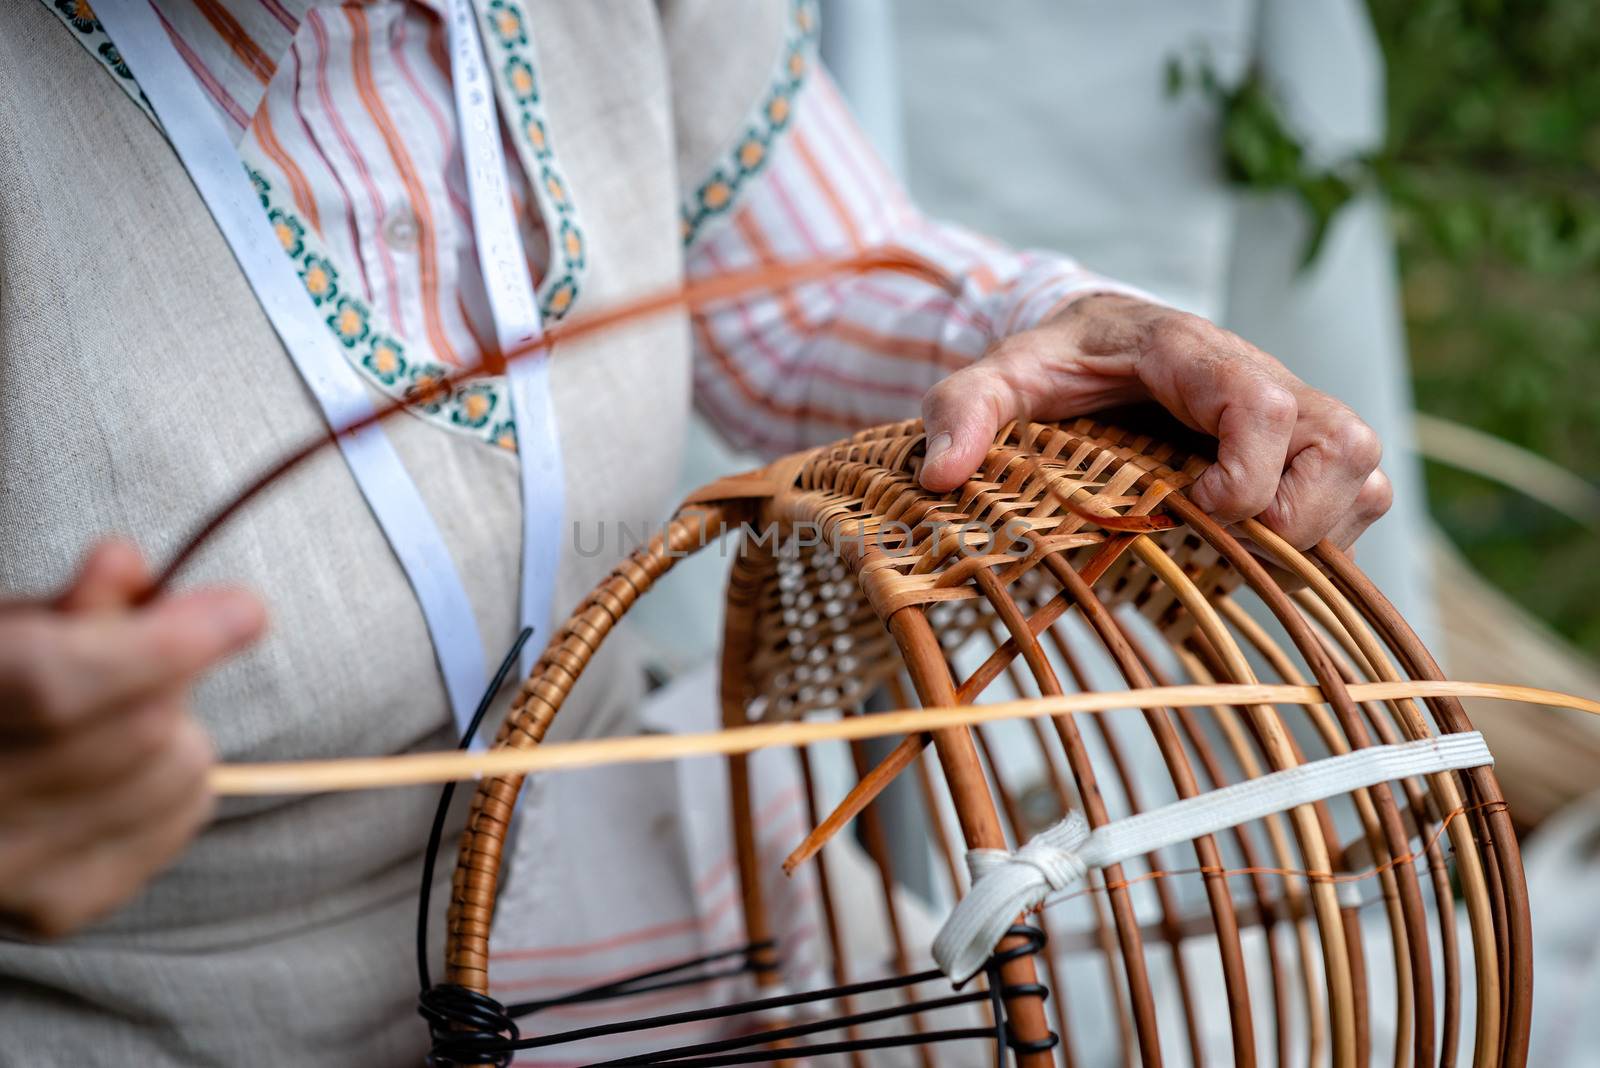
(938, 445)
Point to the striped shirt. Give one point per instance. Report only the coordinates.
(344, 115)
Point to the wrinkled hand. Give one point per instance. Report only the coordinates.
(1298, 459)
(102, 766)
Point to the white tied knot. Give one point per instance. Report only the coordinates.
(1052, 854)
(1005, 885)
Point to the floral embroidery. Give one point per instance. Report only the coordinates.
(505, 436)
(320, 278)
(474, 402)
(384, 359)
(533, 130)
(571, 239)
(519, 76)
(291, 235)
(79, 14)
(480, 408)
(751, 150)
(113, 59)
(556, 190)
(559, 300)
(506, 21)
(423, 389)
(752, 153)
(515, 64)
(350, 321)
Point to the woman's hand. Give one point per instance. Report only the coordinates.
(1297, 458)
(102, 767)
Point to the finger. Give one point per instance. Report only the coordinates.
(1331, 455)
(1253, 426)
(118, 808)
(961, 416)
(1371, 503)
(1222, 386)
(107, 748)
(101, 875)
(56, 671)
(111, 575)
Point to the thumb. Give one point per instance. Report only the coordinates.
(961, 416)
(112, 574)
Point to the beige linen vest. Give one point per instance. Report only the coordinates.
(140, 384)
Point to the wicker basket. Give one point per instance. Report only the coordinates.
(870, 580)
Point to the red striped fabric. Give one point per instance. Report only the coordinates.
(348, 110)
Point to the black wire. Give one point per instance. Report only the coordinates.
(1032, 940)
(720, 1011)
(787, 1053)
(471, 1028)
(640, 982)
(765, 1035)
(431, 855)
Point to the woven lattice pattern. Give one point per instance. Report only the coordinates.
(823, 646)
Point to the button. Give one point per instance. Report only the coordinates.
(400, 231)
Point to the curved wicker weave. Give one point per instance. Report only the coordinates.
(871, 576)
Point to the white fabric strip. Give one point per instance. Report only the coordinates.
(1005, 885)
(516, 319)
(197, 135)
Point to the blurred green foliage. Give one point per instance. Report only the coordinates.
(1492, 170)
(1260, 150)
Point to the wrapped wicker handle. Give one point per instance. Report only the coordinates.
(471, 913)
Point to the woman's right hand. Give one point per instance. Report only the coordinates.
(103, 768)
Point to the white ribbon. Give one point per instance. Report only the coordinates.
(1006, 884)
(512, 303)
(196, 133)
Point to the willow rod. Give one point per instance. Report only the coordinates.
(693, 295)
(413, 769)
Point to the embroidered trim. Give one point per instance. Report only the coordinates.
(750, 151)
(79, 17)
(480, 408)
(515, 73)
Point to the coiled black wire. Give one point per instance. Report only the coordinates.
(466, 1027)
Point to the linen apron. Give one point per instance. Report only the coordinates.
(140, 384)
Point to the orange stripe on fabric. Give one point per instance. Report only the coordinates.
(299, 187)
(830, 192)
(238, 41)
(427, 255)
(1010, 325)
(750, 230)
(796, 413)
(918, 350)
